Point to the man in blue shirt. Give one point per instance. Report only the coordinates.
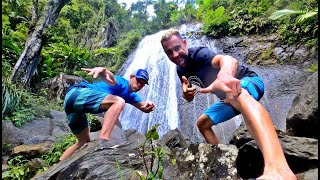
(238, 87)
(109, 95)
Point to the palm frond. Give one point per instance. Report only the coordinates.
(284, 12)
(306, 16)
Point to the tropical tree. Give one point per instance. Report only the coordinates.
(27, 63)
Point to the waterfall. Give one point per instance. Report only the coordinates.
(162, 88)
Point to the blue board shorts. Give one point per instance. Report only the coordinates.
(78, 102)
(220, 111)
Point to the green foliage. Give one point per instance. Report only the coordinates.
(84, 75)
(267, 54)
(56, 151)
(119, 170)
(95, 124)
(151, 153)
(25, 111)
(298, 26)
(250, 17)
(60, 57)
(163, 10)
(184, 15)
(42, 102)
(19, 105)
(11, 45)
(11, 97)
(303, 16)
(114, 57)
(216, 22)
(17, 169)
(313, 68)
(18, 165)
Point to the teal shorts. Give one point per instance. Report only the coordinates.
(78, 102)
(220, 111)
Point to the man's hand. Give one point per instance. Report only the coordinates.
(226, 83)
(103, 73)
(147, 107)
(188, 91)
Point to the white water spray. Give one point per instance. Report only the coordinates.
(162, 89)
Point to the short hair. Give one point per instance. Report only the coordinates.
(169, 33)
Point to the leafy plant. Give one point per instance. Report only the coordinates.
(10, 97)
(18, 165)
(303, 15)
(95, 124)
(17, 169)
(151, 153)
(56, 151)
(215, 23)
(60, 57)
(298, 26)
(24, 111)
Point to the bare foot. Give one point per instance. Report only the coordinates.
(277, 174)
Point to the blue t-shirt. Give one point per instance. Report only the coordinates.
(121, 89)
(199, 65)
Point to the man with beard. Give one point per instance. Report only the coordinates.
(239, 89)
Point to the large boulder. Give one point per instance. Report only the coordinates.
(58, 85)
(40, 130)
(31, 150)
(301, 153)
(174, 139)
(302, 119)
(91, 162)
(195, 161)
(206, 161)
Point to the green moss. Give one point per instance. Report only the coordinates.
(313, 68)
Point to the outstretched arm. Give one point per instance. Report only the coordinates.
(106, 75)
(146, 106)
(256, 118)
(225, 79)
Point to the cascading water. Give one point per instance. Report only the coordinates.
(162, 89)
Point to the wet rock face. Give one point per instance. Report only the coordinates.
(265, 50)
(303, 117)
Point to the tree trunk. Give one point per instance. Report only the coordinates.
(27, 63)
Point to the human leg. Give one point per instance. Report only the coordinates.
(77, 102)
(260, 126)
(204, 124)
(82, 138)
(215, 114)
(115, 105)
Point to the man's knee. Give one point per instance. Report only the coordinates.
(120, 102)
(204, 122)
(113, 100)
